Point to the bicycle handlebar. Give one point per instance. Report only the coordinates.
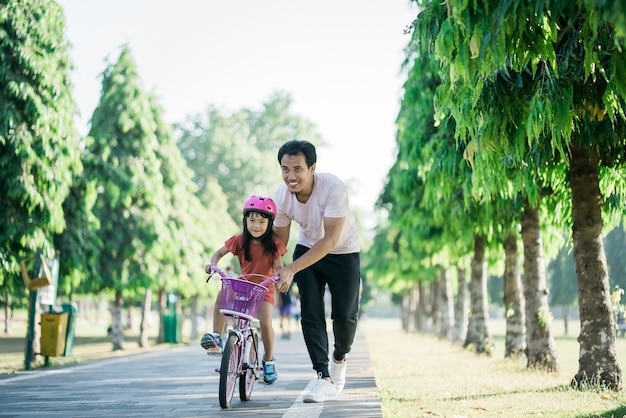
(223, 274)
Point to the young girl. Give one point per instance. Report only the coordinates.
(259, 252)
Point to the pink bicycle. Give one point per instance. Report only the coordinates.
(240, 299)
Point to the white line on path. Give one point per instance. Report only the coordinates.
(299, 410)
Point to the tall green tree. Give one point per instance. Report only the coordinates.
(564, 63)
(430, 192)
(193, 230)
(38, 142)
(78, 243)
(132, 203)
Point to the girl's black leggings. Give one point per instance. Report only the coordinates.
(342, 274)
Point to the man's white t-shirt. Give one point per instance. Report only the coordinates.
(329, 199)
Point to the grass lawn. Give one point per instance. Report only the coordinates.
(422, 376)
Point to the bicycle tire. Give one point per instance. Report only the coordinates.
(229, 371)
(250, 367)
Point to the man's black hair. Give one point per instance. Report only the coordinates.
(295, 147)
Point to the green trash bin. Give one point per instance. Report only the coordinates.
(72, 311)
(170, 328)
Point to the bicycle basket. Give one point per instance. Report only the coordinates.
(241, 296)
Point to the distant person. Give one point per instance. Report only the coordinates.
(296, 307)
(284, 309)
(327, 253)
(259, 251)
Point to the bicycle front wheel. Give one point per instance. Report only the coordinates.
(250, 367)
(229, 371)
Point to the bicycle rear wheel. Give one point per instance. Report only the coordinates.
(250, 366)
(229, 371)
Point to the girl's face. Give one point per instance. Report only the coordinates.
(257, 224)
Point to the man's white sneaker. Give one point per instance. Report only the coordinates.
(322, 391)
(338, 374)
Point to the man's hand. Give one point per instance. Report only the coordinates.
(286, 278)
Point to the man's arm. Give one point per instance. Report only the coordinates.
(278, 263)
(283, 233)
(332, 232)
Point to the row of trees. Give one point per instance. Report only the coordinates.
(511, 129)
(527, 140)
(137, 205)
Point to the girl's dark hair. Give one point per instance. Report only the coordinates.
(295, 147)
(267, 239)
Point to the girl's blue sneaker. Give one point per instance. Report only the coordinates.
(269, 371)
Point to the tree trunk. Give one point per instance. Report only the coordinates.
(129, 318)
(406, 311)
(566, 320)
(460, 307)
(423, 316)
(117, 329)
(415, 308)
(477, 333)
(161, 306)
(143, 339)
(435, 309)
(597, 359)
(446, 305)
(194, 317)
(541, 347)
(99, 306)
(515, 344)
(7, 314)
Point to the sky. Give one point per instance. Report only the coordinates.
(339, 60)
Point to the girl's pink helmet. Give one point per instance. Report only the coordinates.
(260, 204)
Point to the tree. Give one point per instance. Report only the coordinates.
(38, 141)
(132, 203)
(540, 342)
(192, 230)
(564, 66)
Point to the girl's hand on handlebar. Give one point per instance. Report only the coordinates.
(210, 269)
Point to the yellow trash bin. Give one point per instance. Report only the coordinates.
(53, 333)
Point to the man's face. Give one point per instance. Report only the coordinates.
(296, 175)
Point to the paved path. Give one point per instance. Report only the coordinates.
(181, 382)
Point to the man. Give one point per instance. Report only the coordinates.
(327, 253)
